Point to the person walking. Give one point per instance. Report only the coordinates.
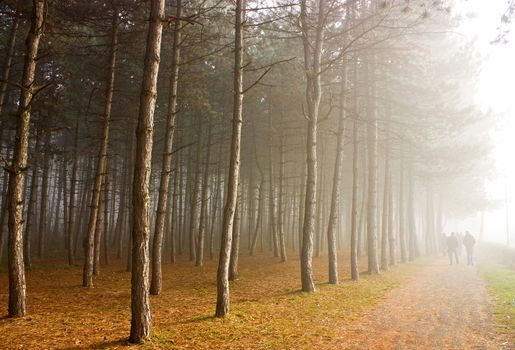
(452, 247)
(459, 238)
(469, 242)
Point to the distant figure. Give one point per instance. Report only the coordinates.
(452, 247)
(469, 242)
(459, 237)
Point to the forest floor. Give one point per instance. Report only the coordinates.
(422, 305)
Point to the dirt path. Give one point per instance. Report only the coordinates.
(442, 307)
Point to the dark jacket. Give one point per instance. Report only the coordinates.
(452, 242)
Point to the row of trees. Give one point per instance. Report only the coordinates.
(357, 134)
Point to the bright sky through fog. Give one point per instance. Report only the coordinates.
(495, 92)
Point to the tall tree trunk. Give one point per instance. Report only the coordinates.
(312, 65)
(412, 238)
(17, 286)
(337, 179)
(72, 205)
(173, 217)
(124, 199)
(251, 205)
(5, 207)
(271, 198)
(130, 216)
(203, 204)
(319, 222)
(354, 204)
(301, 202)
(87, 276)
(106, 222)
(386, 234)
(65, 202)
(222, 278)
(373, 266)
(82, 212)
(98, 229)
(391, 234)
(180, 212)
(439, 224)
(354, 242)
(9, 54)
(195, 194)
(166, 167)
(59, 186)
(363, 213)
(384, 218)
(235, 247)
(32, 204)
(258, 217)
(140, 304)
(43, 217)
(402, 221)
(280, 204)
(216, 199)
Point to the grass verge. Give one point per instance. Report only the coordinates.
(501, 285)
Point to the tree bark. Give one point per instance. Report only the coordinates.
(30, 210)
(363, 213)
(121, 223)
(337, 179)
(65, 202)
(216, 200)
(72, 205)
(354, 204)
(391, 234)
(87, 276)
(17, 286)
(140, 304)
(166, 167)
(98, 229)
(106, 221)
(60, 187)
(222, 278)
(312, 52)
(402, 221)
(43, 220)
(258, 217)
(412, 234)
(9, 54)
(271, 198)
(235, 247)
(203, 204)
(280, 204)
(194, 195)
(373, 266)
(384, 218)
(180, 213)
(173, 217)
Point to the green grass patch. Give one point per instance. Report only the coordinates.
(501, 284)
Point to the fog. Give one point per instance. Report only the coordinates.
(186, 150)
(494, 85)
